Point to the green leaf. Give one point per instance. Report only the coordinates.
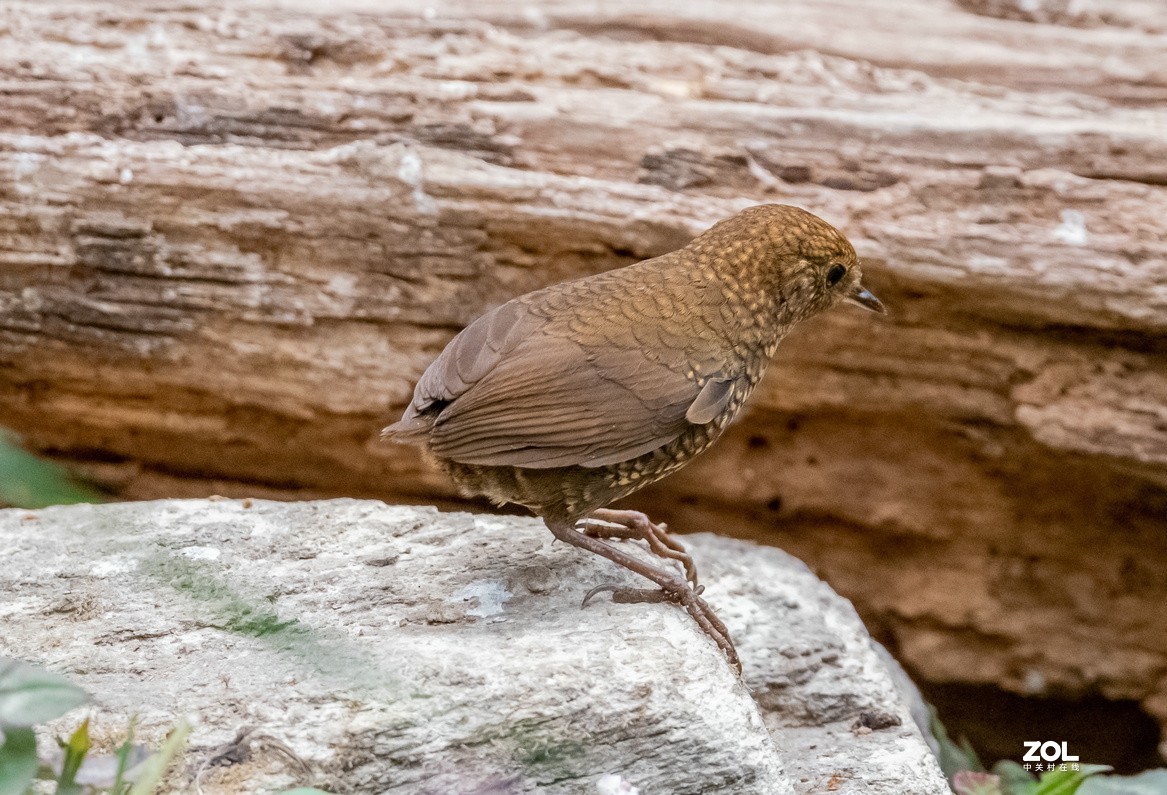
(31, 695)
(1019, 787)
(1066, 782)
(953, 757)
(75, 751)
(155, 767)
(124, 758)
(18, 765)
(30, 482)
(1149, 782)
(1014, 778)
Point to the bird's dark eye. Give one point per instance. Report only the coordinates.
(836, 273)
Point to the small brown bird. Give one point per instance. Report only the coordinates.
(570, 397)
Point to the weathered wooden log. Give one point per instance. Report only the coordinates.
(233, 236)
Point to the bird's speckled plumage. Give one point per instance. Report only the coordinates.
(570, 397)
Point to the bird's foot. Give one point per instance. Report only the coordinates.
(672, 587)
(688, 598)
(626, 596)
(607, 524)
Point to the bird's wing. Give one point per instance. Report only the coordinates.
(550, 402)
(711, 402)
(463, 363)
(474, 353)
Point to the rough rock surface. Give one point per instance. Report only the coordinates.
(398, 649)
(233, 234)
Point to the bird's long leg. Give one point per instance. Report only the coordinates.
(634, 524)
(674, 587)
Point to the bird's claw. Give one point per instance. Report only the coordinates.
(686, 597)
(598, 589)
(626, 596)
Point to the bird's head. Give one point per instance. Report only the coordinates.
(808, 262)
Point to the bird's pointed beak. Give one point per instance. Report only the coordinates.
(861, 296)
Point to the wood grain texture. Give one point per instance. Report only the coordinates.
(232, 236)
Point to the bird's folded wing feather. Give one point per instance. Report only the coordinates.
(473, 353)
(550, 402)
(511, 389)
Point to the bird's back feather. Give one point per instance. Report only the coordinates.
(564, 377)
